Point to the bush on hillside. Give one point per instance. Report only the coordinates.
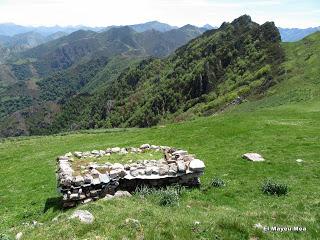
(273, 188)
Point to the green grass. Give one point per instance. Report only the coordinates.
(280, 127)
(28, 186)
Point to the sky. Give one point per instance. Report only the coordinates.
(285, 13)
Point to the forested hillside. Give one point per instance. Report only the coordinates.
(81, 62)
(220, 67)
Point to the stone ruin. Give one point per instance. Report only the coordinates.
(96, 180)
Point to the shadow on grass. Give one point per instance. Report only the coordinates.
(54, 203)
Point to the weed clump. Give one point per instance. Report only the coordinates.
(217, 183)
(168, 196)
(270, 187)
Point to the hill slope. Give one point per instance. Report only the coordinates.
(238, 59)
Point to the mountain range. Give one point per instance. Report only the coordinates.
(137, 75)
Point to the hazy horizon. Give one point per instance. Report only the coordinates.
(99, 13)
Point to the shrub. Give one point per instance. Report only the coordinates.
(168, 197)
(4, 237)
(273, 188)
(217, 182)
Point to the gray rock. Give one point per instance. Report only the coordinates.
(83, 215)
(77, 154)
(145, 146)
(19, 235)
(108, 197)
(115, 150)
(196, 165)
(154, 147)
(94, 173)
(299, 160)
(117, 166)
(155, 170)
(69, 154)
(163, 169)
(123, 151)
(179, 153)
(104, 178)
(78, 180)
(148, 171)
(254, 157)
(88, 178)
(95, 152)
(117, 173)
(134, 172)
(120, 194)
(133, 222)
(181, 166)
(74, 196)
(173, 168)
(96, 181)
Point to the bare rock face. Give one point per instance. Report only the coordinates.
(83, 215)
(254, 157)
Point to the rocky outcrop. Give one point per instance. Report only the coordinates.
(96, 180)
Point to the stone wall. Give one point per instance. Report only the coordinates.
(96, 180)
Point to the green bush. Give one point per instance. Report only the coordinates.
(4, 237)
(217, 182)
(168, 197)
(273, 188)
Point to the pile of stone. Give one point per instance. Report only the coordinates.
(97, 180)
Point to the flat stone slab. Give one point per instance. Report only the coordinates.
(254, 157)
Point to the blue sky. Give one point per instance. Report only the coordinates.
(285, 13)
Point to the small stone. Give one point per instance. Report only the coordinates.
(254, 157)
(258, 225)
(19, 235)
(108, 197)
(77, 154)
(134, 222)
(181, 166)
(123, 151)
(69, 154)
(155, 170)
(163, 169)
(117, 166)
(196, 223)
(95, 173)
(196, 165)
(78, 180)
(299, 160)
(173, 168)
(104, 178)
(179, 153)
(154, 147)
(87, 200)
(134, 172)
(96, 181)
(84, 216)
(117, 173)
(148, 171)
(74, 196)
(115, 150)
(120, 194)
(88, 178)
(145, 146)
